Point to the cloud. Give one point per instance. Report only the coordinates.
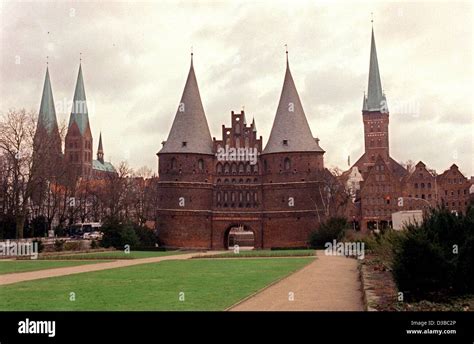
(135, 60)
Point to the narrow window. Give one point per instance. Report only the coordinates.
(287, 164)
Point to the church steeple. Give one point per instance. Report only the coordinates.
(47, 141)
(375, 114)
(100, 150)
(375, 100)
(290, 131)
(79, 112)
(47, 114)
(190, 131)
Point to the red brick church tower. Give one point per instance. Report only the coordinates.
(78, 143)
(375, 113)
(375, 116)
(185, 163)
(293, 171)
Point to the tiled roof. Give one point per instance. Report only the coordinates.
(190, 131)
(290, 130)
(106, 166)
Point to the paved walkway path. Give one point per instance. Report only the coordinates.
(54, 272)
(330, 283)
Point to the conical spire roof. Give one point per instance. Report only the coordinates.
(364, 103)
(100, 149)
(79, 112)
(189, 132)
(254, 126)
(375, 98)
(290, 130)
(47, 113)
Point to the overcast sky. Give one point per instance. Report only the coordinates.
(136, 56)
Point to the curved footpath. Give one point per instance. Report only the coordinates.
(330, 283)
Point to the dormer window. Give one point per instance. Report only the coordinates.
(184, 144)
(285, 142)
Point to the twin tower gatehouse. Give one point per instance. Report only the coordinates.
(216, 193)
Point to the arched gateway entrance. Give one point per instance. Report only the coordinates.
(240, 235)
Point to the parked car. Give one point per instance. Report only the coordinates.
(96, 235)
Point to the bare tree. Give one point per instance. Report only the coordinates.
(17, 130)
(49, 173)
(409, 165)
(333, 194)
(115, 189)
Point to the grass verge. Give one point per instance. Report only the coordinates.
(201, 284)
(13, 266)
(110, 255)
(262, 254)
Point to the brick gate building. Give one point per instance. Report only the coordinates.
(208, 187)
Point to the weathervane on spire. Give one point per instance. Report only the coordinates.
(286, 51)
(372, 18)
(80, 58)
(47, 57)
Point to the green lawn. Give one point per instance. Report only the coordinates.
(113, 255)
(206, 284)
(32, 265)
(263, 253)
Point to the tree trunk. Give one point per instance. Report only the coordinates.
(20, 224)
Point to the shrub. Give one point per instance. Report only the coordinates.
(146, 236)
(112, 233)
(426, 261)
(333, 229)
(58, 245)
(73, 246)
(129, 237)
(368, 238)
(117, 234)
(465, 268)
(94, 244)
(40, 245)
(420, 267)
(384, 245)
